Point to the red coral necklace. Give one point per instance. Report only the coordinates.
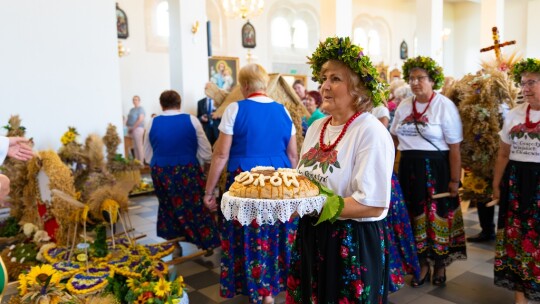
(327, 148)
(417, 115)
(528, 123)
(255, 95)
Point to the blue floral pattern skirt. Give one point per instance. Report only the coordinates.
(401, 246)
(180, 191)
(517, 251)
(340, 263)
(255, 258)
(437, 223)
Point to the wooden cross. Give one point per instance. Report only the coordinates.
(496, 45)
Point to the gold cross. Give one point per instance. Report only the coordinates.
(496, 45)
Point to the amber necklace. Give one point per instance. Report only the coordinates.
(329, 147)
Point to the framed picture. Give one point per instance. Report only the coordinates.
(121, 23)
(383, 71)
(249, 40)
(403, 50)
(291, 78)
(223, 71)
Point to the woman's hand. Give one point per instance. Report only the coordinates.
(496, 193)
(210, 202)
(453, 188)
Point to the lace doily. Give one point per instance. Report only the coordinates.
(267, 211)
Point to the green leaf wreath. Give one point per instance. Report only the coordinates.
(434, 71)
(530, 65)
(344, 50)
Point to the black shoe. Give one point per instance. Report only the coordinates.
(417, 282)
(481, 237)
(439, 280)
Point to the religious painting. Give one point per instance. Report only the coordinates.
(403, 50)
(121, 23)
(248, 36)
(223, 71)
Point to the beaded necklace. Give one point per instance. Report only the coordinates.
(415, 113)
(528, 123)
(327, 148)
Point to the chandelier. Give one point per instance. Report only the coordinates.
(242, 8)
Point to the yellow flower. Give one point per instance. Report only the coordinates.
(38, 275)
(162, 287)
(23, 288)
(132, 283)
(479, 186)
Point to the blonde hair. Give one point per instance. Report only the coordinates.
(357, 89)
(254, 76)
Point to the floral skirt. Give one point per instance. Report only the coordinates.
(517, 251)
(437, 223)
(255, 258)
(344, 262)
(180, 191)
(401, 246)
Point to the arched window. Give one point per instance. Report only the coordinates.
(162, 19)
(373, 35)
(281, 32)
(300, 34)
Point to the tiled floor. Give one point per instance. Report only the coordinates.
(468, 282)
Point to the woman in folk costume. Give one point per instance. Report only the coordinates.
(402, 248)
(344, 259)
(516, 183)
(427, 128)
(173, 144)
(256, 131)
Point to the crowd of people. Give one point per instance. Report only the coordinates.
(410, 218)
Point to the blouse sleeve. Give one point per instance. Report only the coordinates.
(452, 128)
(373, 167)
(148, 151)
(204, 150)
(229, 117)
(505, 130)
(380, 112)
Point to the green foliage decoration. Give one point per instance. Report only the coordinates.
(434, 71)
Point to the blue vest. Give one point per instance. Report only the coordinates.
(173, 140)
(261, 135)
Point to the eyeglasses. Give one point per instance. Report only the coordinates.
(529, 83)
(419, 79)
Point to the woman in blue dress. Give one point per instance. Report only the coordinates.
(256, 131)
(172, 144)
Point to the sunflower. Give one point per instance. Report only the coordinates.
(162, 287)
(132, 283)
(38, 275)
(23, 287)
(479, 186)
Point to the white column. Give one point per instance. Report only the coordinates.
(188, 52)
(533, 39)
(336, 18)
(429, 26)
(491, 14)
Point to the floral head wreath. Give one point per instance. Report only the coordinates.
(343, 50)
(434, 71)
(530, 65)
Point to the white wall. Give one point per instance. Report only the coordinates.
(142, 72)
(532, 45)
(59, 67)
(466, 38)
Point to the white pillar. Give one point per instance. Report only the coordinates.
(188, 51)
(336, 18)
(532, 44)
(491, 14)
(429, 27)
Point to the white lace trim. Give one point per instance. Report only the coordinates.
(267, 211)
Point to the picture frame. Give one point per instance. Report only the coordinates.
(223, 71)
(403, 50)
(291, 78)
(121, 23)
(382, 69)
(249, 38)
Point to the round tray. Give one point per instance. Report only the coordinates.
(267, 211)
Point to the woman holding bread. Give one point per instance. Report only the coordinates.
(255, 258)
(352, 154)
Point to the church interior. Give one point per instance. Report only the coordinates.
(64, 63)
